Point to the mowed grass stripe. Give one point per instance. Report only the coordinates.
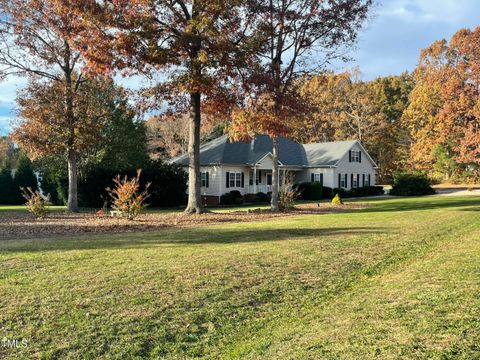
(238, 290)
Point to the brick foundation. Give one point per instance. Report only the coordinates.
(210, 200)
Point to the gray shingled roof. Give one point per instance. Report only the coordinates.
(291, 153)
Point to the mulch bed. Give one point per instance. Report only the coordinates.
(22, 225)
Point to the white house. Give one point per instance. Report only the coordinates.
(247, 167)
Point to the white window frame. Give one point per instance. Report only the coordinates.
(354, 184)
(342, 181)
(203, 179)
(356, 156)
(317, 177)
(367, 183)
(235, 179)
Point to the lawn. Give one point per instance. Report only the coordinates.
(399, 279)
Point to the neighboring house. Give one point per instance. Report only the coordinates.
(247, 167)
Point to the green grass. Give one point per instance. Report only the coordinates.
(400, 279)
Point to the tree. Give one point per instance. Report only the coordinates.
(35, 42)
(24, 177)
(297, 36)
(191, 48)
(45, 131)
(444, 111)
(7, 189)
(344, 108)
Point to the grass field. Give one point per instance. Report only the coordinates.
(400, 279)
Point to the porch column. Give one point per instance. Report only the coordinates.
(255, 179)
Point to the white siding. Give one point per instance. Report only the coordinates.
(345, 167)
(232, 168)
(328, 176)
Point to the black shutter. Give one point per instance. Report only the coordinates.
(313, 177)
(363, 180)
(207, 180)
(358, 180)
(349, 155)
(346, 180)
(228, 180)
(359, 156)
(339, 180)
(243, 179)
(321, 179)
(369, 183)
(351, 180)
(259, 176)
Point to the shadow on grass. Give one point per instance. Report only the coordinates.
(202, 236)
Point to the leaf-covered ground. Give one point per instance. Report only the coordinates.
(16, 223)
(399, 279)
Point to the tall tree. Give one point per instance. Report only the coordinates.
(191, 49)
(34, 42)
(444, 109)
(24, 177)
(298, 36)
(45, 131)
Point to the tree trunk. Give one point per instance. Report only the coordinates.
(72, 181)
(194, 195)
(72, 205)
(275, 185)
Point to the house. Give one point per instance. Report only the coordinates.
(247, 167)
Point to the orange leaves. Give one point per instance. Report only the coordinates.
(444, 103)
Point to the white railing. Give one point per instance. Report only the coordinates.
(253, 189)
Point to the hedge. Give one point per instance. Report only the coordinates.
(411, 184)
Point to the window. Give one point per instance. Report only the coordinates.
(318, 178)
(354, 181)
(367, 180)
(355, 156)
(250, 178)
(235, 179)
(204, 179)
(343, 182)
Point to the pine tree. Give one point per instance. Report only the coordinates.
(24, 178)
(6, 185)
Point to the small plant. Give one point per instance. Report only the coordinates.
(35, 202)
(288, 193)
(337, 200)
(127, 200)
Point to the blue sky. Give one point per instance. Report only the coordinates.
(390, 44)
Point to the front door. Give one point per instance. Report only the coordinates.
(269, 179)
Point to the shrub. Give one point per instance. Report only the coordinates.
(232, 197)
(250, 198)
(263, 198)
(337, 200)
(411, 184)
(126, 197)
(288, 193)
(168, 185)
(36, 203)
(310, 191)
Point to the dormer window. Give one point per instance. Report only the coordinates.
(355, 156)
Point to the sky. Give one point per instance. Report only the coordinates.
(389, 45)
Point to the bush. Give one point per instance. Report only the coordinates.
(232, 197)
(411, 184)
(168, 185)
(250, 198)
(127, 200)
(263, 198)
(337, 200)
(36, 203)
(314, 191)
